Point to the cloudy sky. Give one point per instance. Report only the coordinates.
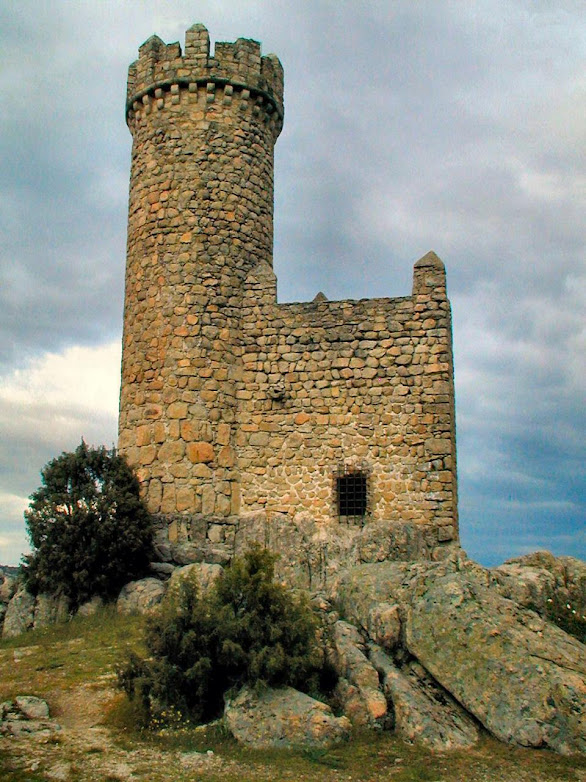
(449, 125)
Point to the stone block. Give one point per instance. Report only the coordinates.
(208, 500)
(438, 446)
(226, 457)
(171, 451)
(185, 498)
(147, 454)
(143, 435)
(223, 434)
(190, 430)
(168, 501)
(200, 452)
(259, 438)
(223, 505)
(445, 533)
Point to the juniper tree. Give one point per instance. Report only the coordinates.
(247, 629)
(89, 529)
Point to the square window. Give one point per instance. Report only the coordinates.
(351, 494)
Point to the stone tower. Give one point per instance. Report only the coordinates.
(325, 428)
(200, 218)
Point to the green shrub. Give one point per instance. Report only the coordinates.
(89, 529)
(569, 618)
(247, 629)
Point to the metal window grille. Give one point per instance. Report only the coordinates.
(351, 494)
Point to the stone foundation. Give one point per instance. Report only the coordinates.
(310, 554)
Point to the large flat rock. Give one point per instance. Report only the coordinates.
(283, 718)
(522, 677)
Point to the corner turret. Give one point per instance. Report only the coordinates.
(200, 218)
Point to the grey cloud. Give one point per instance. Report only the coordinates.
(33, 434)
(409, 126)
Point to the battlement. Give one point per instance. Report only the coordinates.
(236, 67)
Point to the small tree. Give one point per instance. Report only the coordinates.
(89, 529)
(247, 629)
(268, 634)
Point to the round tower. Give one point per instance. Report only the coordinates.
(200, 218)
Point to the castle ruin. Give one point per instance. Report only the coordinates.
(325, 427)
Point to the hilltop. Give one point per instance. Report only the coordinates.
(72, 666)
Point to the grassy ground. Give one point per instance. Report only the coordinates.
(73, 668)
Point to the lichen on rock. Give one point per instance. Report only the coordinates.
(283, 718)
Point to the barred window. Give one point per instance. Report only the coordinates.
(351, 494)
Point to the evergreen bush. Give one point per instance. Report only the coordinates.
(89, 529)
(568, 618)
(247, 629)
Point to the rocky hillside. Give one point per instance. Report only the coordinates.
(89, 735)
(436, 654)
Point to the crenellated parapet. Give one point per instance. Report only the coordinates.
(235, 73)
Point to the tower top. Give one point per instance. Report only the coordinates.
(239, 64)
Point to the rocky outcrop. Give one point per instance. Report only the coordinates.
(430, 647)
(523, 678)
(358, 689)
(537, 580)
(26, 715)
(140, 597)
(360, 591)
(283, 718)
(310, 554)
(20, 614)
(423, 712)
(25, 611)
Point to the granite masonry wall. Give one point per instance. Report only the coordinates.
(238, 412)
(333, 387)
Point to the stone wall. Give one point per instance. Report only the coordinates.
(329, 387)
(233, 405)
